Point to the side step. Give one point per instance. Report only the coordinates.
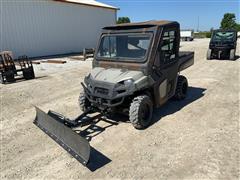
(72, 142)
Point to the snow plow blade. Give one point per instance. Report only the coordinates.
(72, 142)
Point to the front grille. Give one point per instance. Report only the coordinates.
(102, 91)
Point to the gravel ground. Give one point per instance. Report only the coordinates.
(197, 138)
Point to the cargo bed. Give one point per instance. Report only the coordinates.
(186, 59)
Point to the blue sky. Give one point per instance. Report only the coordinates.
(186, 12)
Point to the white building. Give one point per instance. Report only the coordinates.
(49, 27)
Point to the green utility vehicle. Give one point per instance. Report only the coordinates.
(222, 45)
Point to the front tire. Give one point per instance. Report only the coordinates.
(181, 89)
(232, 54)
(140, 112)
(209, 54)
(83, 102)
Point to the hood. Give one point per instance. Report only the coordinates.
(113, 75)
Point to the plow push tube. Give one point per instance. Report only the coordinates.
(72, 142)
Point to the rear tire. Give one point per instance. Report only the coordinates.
(209, 54)
(140, 112)
(232, 54)
(2, 79)
(181, 89)
(83, 102)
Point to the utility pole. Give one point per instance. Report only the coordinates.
(198, 24)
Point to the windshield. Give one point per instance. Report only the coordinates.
(124, 47)
(223, 36)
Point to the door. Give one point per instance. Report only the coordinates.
(167, 62)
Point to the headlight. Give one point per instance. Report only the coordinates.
(87, 82)
(128, 82)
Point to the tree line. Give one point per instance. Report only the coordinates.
(228, 22)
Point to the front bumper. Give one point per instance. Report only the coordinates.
(104, 94)
(221, 46)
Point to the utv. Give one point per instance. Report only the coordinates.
(136, 68)
(222, 45)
